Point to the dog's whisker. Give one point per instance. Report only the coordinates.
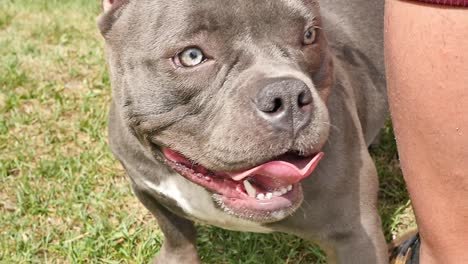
(332, 126)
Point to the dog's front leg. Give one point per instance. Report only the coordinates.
(180, 235)
(358, 249)
(360, 239)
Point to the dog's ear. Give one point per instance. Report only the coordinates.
(112, 9)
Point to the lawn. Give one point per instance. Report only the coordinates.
(63, 197)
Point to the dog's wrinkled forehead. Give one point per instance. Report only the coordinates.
(178, 19)
(255, 16)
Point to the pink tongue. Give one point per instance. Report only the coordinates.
(274, 173)
(286, 171)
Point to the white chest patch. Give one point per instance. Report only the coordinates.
(195, 201)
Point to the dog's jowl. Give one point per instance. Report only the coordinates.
(251, 116)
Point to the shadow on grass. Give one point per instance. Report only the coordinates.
(220, 246)
(394, 205)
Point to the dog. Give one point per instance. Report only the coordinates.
(252, 116)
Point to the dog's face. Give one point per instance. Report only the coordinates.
(230, 94)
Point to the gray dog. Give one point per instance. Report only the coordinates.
(251, 115)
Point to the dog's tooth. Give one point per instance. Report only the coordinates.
(268, 196)
(283, 190)
(249, 189)
(290, 187)
(261, 196)
(277, 193)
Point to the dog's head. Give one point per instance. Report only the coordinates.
(230, 94)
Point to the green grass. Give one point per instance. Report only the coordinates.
(63, 198)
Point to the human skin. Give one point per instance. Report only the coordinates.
(427, 69)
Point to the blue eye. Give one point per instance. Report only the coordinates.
(310, 36)
(191, 57)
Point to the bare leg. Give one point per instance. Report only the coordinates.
(427, 68)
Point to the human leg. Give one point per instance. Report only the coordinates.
(427, 71)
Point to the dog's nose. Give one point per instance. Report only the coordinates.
(285, 103)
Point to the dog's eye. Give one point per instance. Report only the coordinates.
(191, 57)
(310, 36)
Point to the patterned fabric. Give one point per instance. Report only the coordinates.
(407, 252)
(462, 3)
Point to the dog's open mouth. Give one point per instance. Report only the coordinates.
(264, 193)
